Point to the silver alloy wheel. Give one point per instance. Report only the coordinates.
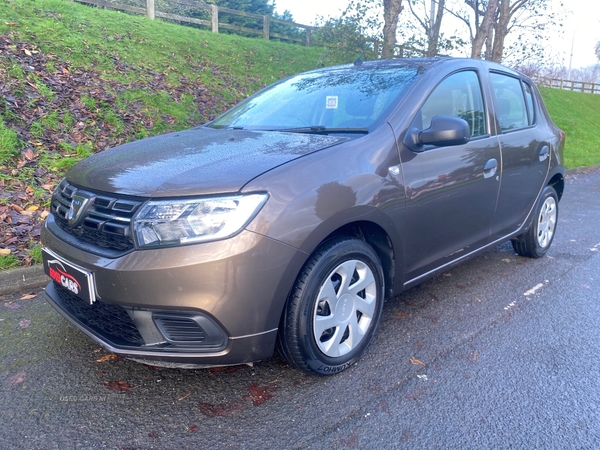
(546, 222)
(344, 308)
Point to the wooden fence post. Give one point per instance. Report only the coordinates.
(266, 27)
(308, 36)
(214, 12)
(150, 9)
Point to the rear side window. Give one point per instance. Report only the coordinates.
(514, 102)
(529, 102)
(458, 95)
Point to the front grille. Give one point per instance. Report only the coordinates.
(104, 222)
(109, 321)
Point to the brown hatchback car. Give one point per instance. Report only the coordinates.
(290, 219)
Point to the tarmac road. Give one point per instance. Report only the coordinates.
(501, 352)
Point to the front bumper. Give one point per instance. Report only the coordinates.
(216, 303)
(122, 336)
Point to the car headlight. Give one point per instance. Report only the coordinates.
(177, 222)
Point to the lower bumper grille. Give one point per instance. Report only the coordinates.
(140, 328)
(109, 321)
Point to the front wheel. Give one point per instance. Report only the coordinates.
(334, 307)
(536, 241)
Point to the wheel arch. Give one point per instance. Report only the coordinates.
(379, 240)
(558, 183)
(370, 232)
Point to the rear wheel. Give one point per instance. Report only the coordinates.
(334, 307)
(536, 241)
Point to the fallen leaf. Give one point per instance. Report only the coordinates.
(18, 378)
(12, 305)
(29, 154)
(416, 362)
(260, 394)
(5, 251)
(222, 410)
(28, 296)
(109, 357)
(118, 386)
(192, 428)
(24, 323)
(10, 24)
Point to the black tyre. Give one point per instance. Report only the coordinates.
(334, 307)
(536, 241)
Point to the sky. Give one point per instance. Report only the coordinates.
(581, 26)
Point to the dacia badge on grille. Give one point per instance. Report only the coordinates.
(79, 203)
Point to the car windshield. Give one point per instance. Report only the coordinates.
(348, 99)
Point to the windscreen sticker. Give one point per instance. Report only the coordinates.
(331, 102)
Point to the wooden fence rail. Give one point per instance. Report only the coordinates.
(214, 24)
(577, 86)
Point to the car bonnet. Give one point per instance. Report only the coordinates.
(200, 161)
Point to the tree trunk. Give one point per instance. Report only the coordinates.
(391, 11)
(433, 35)
(501, 31)
(484, 30)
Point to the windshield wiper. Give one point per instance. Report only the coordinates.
(319, 129)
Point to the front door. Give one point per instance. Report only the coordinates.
(451, 191)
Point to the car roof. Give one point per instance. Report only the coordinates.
(423, 63)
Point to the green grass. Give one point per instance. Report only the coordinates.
(9, 142)
(578, 115)
(97, 38)
(8, 262)
(36, 254)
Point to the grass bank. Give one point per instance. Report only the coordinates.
(578, 115)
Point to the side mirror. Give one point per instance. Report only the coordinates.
(443, 131)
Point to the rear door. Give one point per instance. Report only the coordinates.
(525, 151)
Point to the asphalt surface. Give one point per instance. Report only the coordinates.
(501, 352)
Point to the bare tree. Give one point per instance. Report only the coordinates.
(391, 11)
(491, 21)
(430, 20)
(598, 50)
(485, 12)
(517, 14)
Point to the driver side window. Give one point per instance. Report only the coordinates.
(459, 95)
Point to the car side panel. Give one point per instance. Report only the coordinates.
(523, 177)
(313, 196)
(450, 204)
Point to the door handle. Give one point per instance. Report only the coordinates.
(489, 170)
(544, 153)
